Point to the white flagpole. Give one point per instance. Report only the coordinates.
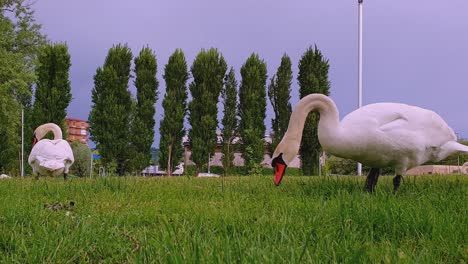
(359, 165)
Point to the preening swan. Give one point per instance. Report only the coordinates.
(50, 157)
(377, 135)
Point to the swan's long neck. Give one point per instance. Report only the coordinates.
(329, 123)
(329, 129)
(42, 130)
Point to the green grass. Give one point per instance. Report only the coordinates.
(186, 220)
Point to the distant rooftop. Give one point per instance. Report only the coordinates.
(75, 119)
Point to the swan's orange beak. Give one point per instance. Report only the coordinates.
(279, 167)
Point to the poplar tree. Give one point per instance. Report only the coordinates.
(111, 110)
(143, 122)
(252, 110)
(229, 121)
(53, 92)
(279, 92)
(312, 78)
(175, 107)
(208, 72)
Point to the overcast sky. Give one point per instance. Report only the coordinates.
(414, 52)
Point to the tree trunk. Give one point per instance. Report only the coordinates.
(228, 163)
(169, 160)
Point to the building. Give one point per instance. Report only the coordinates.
(78, 130)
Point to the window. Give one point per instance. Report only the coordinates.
(83, 132)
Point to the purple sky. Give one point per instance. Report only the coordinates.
(415, 52)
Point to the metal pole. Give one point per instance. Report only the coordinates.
(458, 155)
(359, 165)
(320, 166)
(22, 142)
(91, 169)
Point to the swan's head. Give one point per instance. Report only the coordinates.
(35, 140)
(42, 130)
(284, 153)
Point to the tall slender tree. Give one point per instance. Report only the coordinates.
(312, 78)
(53, 92)
(279, 92)
(111, 110)
(208, 72)
(252, 110)
(147, 94)
(229, 121)
(175, 107)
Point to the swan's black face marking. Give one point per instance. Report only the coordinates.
(34, 139)
(279, 167)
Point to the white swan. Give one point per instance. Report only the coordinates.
(378, 135)
(50, 157)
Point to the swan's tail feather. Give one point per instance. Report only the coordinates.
(52, 165)
(450, 148)
(460, 147)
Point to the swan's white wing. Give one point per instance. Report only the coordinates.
(402, 119)
(386, 132)
(47, 149)
(394, 124)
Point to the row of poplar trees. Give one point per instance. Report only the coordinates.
(123, 128)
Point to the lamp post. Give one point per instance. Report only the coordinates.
(91, 168)
(22, 142)
(359, 165)
(458, 154)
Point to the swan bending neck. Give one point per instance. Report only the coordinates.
(329, 123)
(42, 130)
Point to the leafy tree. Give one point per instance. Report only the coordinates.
(82, 165)
(53, 92)
(229, 121)
(252, 109)
(10, 143)
(279, 93)
(175, 107)
(111, 110)
(208, 71)
(313, 78)
(20, 39)
(143, 122)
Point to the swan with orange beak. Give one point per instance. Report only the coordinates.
(377, 135)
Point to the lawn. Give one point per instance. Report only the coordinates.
(235, 219)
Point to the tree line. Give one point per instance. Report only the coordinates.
(122, 127)
(34, 77)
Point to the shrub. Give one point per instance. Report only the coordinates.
(82, 155)
(340, 166)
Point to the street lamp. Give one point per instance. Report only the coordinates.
(359, 165)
